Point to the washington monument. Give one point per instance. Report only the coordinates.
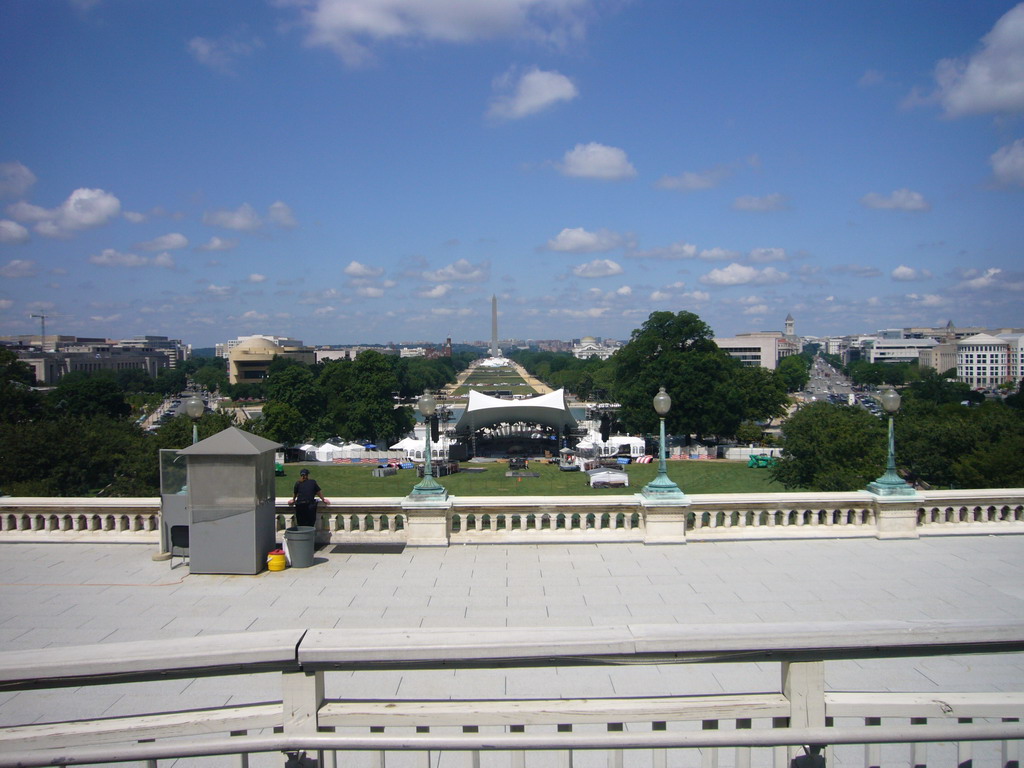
(494, 327)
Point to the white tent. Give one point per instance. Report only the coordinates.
(350, 450)
(326, 452)
(484, 411)
(606, 477)
(308, 451)
(413, 448)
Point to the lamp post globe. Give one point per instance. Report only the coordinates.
(194, 409)
(662, 487)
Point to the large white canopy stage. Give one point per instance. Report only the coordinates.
(484, 411)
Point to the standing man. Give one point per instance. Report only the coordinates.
(304, 499)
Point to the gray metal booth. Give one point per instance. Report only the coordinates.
(231, 497)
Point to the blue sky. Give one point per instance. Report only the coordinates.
(346, 171)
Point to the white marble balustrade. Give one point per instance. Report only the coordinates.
(563, 519)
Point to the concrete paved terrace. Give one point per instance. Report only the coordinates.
(74, 594)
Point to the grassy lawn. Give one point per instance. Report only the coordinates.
(495, 378)
(692, 476)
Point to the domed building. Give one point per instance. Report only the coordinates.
(588, 347)
(249, 361)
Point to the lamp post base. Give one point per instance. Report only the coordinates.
(886, 486)
(662, 487)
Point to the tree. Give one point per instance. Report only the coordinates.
(82, 395)
(282, 423)
(794, 372)
(711, 393)
(936, 388)
(295, 386)
(831, 448)
(18, 402)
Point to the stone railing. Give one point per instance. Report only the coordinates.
(563, 519)
(782, 696)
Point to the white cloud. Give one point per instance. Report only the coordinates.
(990, 278)
(436, 292)
(535, 91)
(597, 161)
(871, 78)
(220, 54)
(219, 290)
(18, 268)
(321, 311)
(84, 208)
(350, 27)
(6, 303)
(740, 274)
(357, 269)
(691, 181)
(15, 179)
(370, 291)
(579, 240)
(134, 216)
(857, 270)
(624, 290)
(256, 277)
(12, 232)
(927, 300)
(718, 254)
(597, 268)
(678, 250)
(765, 255)
(1008, 163)
(773, 202)
(281, 214)
(448, 312)
(168, 242)
(588, 313)
(900, 200)
(757, 309)
(218, 244)
(904, 273)
(460, 271)
(244, 218)
(113, 258)
(660, 296)
(991, 80)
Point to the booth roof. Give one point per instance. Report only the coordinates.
(231, 442)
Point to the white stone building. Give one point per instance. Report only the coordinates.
(985, 362)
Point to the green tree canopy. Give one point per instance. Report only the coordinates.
(78, 394)
(711, 393)
(794, 372)
(831, 448)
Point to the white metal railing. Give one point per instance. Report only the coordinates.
(563, 519)
(313, 713)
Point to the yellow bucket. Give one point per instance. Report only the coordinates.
(276, 561)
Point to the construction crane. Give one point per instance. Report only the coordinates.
(42, 323)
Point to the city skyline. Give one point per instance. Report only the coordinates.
(357, 171)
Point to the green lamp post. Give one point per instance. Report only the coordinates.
(661, 487)
(428, 487)
(890, 483)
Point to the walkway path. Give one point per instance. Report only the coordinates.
(68, 594)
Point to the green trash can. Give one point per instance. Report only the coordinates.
(299, 542)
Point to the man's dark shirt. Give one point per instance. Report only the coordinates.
(306, 491)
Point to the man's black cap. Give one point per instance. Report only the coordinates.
(303, 471)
